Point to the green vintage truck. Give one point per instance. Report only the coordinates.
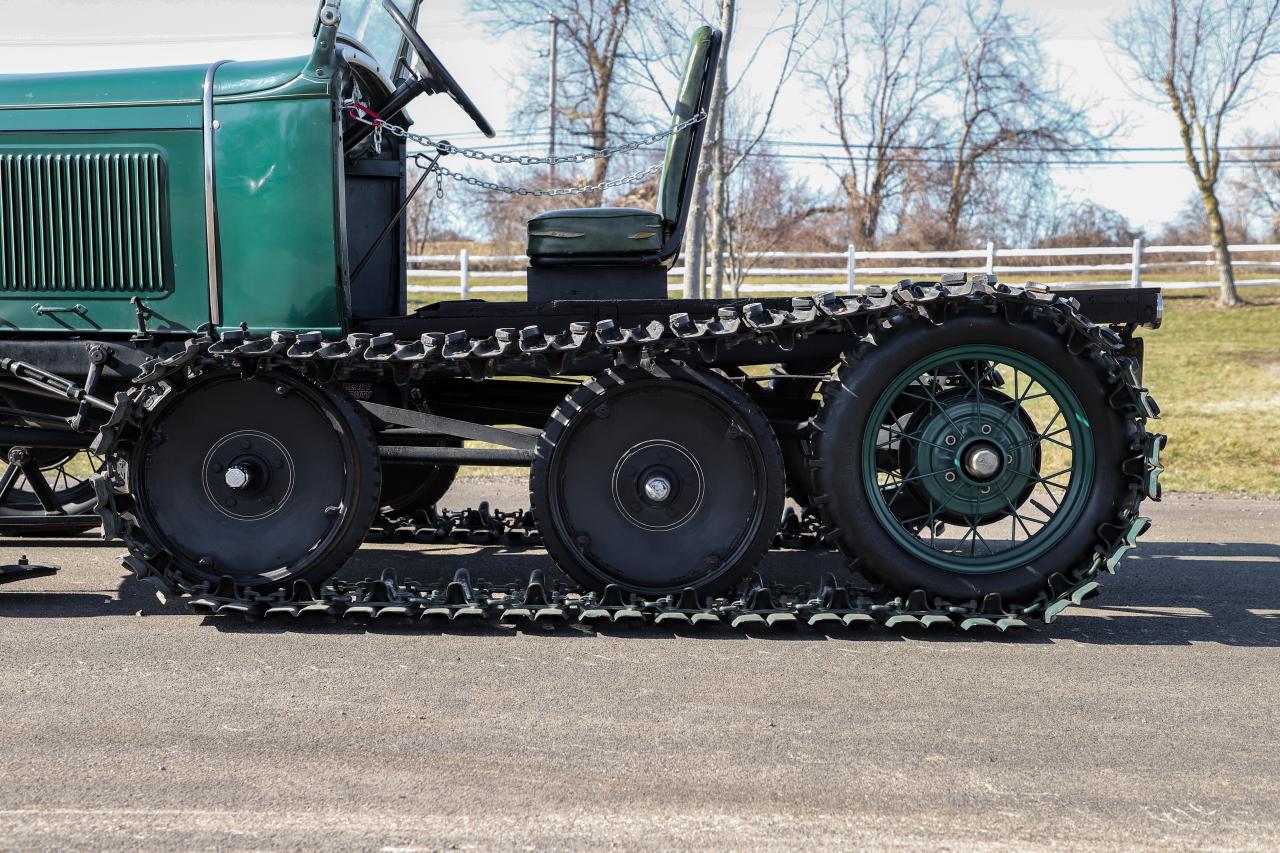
(205, 347)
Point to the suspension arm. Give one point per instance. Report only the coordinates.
(50, 383)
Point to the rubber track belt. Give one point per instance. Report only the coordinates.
(679, 336)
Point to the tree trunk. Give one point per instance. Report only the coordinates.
(695, 249)
(1228, 297)
(719, 177)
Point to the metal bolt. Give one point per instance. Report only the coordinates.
(949, 441)
(583, 541)
(950, 476)
(986, 429)
(282, 390)
(236, 477)
(206, 562)
(602, 410)
(657, 489)
(986, 490)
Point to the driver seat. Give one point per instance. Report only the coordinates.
(624, 253)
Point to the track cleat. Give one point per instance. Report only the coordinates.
(230, 599)
(688, 609)
(369, 598)
(293, 604)
(535, 605)
(914, 611)
(459, 601)
(612, 607)
(833, 607)
(757, 607)
(991, 614)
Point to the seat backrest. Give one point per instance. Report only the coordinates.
(684, 148)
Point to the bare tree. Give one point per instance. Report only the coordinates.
(1009, 117)
(751, 114)
(768, 205)
(879, 117)
(591, 58)
(1201, 59)
(1255, 187)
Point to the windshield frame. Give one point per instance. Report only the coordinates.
(400, 63)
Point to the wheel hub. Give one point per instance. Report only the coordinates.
(249, 475)
(658, 485)
(975, 457)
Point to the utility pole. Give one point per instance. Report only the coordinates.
(551, 99)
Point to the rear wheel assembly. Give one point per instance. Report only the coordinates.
(974, 458)
(265, 480)
(657, 480)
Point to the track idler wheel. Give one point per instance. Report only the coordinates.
(264, 481)
(657, 480)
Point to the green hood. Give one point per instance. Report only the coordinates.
(137, 98)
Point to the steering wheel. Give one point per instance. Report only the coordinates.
(439, 79)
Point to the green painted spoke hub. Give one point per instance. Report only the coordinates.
(974, 430)
(993, 445)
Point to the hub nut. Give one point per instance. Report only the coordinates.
(657, 489)
(982, 462)
(236, 477)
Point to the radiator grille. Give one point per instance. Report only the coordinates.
(82, 221)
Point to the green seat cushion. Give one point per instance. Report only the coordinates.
(595, 231)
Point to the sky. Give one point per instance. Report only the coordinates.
(58, 35)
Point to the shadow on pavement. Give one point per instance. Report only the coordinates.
(1167, 594)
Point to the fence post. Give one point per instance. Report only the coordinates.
(991, 257)
(1136, 279)
(464, 274)
(853, 268)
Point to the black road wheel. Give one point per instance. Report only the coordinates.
(976, 457)
(267, 480)
(657, 480)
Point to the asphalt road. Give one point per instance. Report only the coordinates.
(1149, 720)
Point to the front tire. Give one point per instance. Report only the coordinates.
(966, 455)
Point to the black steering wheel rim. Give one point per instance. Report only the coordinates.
(440, 78)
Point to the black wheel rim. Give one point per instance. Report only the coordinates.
(658, 486)
(251, 479)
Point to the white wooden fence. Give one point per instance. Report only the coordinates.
(461, 270)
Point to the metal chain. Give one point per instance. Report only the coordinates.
(637, 177)
(358, 112)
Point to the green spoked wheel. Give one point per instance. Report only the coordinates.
(976, 457)
(970, 459)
